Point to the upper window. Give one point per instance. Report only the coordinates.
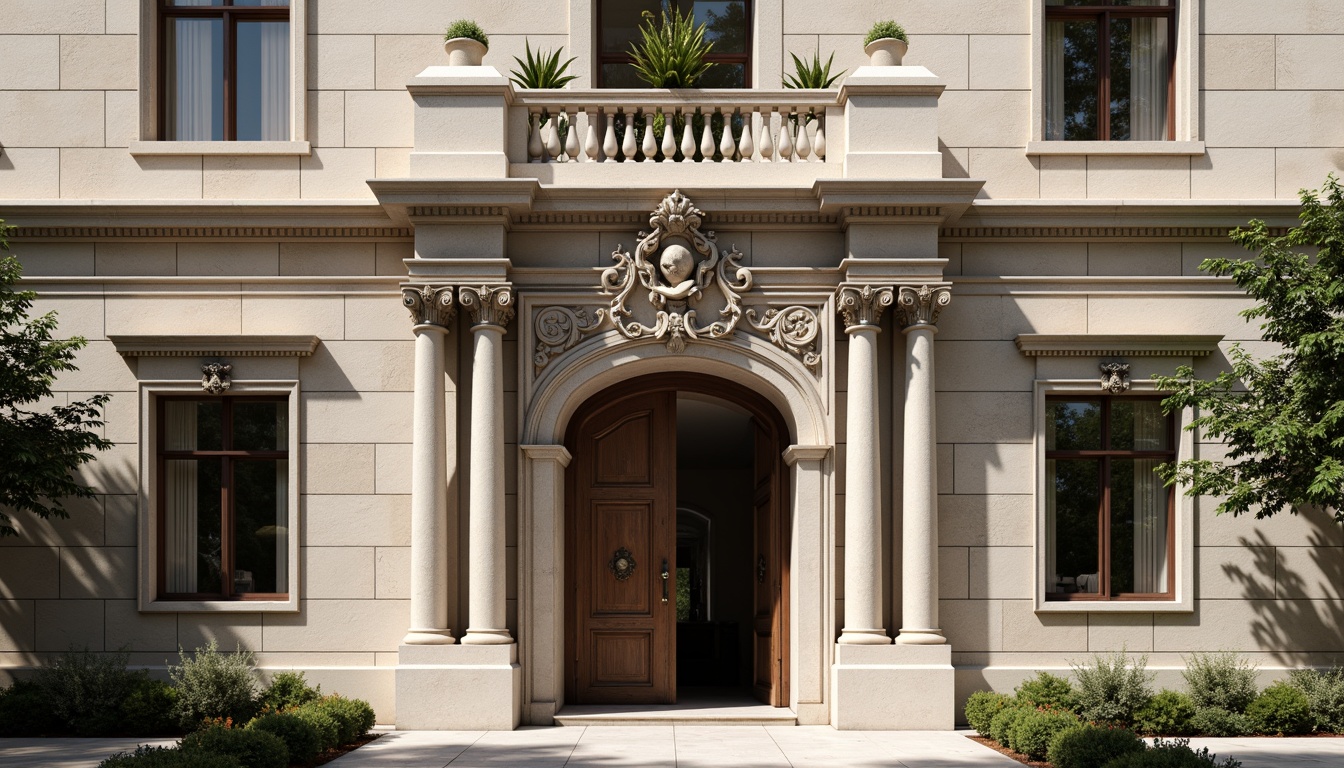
(1109, 518)
(225, 66)
(727, 26)
(1108, 70)
(223, 498)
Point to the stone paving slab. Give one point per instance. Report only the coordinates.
(66, 753)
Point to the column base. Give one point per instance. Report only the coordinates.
(864, 637)
(487, 637)
(459, 688)
(900, 688)
(921, 637)
(428, 637)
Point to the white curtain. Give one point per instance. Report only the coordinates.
(180, 498)
(194, 87)
(1054, 81)
(274, 81)
(1148, 77)
(1150, 501)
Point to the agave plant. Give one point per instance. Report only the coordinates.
(813, 75)
(544, 70)
(670, 53)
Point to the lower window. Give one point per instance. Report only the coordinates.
(223, 498)
(1110, 532)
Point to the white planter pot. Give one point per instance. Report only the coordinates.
(464, 52)
(886, 52)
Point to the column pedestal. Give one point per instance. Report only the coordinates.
(892, 687)
(459, 688)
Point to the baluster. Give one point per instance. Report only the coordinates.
(687, 138)
(591, 147)
(534, 144)
(767, 139)
(609, 145)
(650, 145)
(669, 143)
(552, 139)
(804, 147)
(819, 141)
(785, 137)
(744, 144)
(726, 143)
(707, 138)
(572, 136)
(628, 144)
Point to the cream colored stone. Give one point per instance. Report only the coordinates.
(992, 468)
(139, 632)
(1109, 632)
(78, 316)
(29, 572)
(981, 366)
(107, 62)
(376, 686)
(1309, 62)
(337, 625)
(322, 316)
(984, 417)
(51, 119)
(1286, 16)
(134, 315)
(956, 162)
(1009, 173)
(326, 118)
(336, 174)
(250, 178)
(123, 117)
(398, 58)
(953, 573)
(63, 624)
(101, 369)
(971, 317)
(952, 16)
(972, 625)
(123, 17)
(1230, 573)
(1158, 177)
(393, 162)
(34, 17)
(984, 118)
(357, 521)
(393, 467)
(376, 318)
(227, 258)
(348, 366)
(389, 256)
(393, 573)
(1161, 314)
(946, 56)
(1281, 626)
(1232, 174)
(84, 527)
(373, 416)
(30, 174)
(229, 630)
(1193, 254)
(1309, 573)
(113, 258)
(979, 521)
(98, 572)
(423, 17)
(864, 677)
(1024, 259)
(1255, 118)
(30, 62)
(121, 416)
(1001, 573)
(338, 258)
(379, 119)
(339, 62)
(1238, 62)
(488, 678)
(115, 174)
(18, 630)
(337, 573)
(1132, 259)
(1063, 177)
(1000, 62)
(337, 468)
(1026, 630)
(1299, 169)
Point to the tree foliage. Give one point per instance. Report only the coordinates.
(40, 444)
(1282, 418)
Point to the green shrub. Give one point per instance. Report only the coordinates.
(982, 706)
(1167, 714)
(883, 29)
(252, 748)
(214, 685)
(1001, 725)
(300, 736)
(84, 690)
(1325, 691)
(1216, 721)
(1113, 688)
(466, 28)
(149, 709)
(288, 690)
(1033, 731)
(1091, 746)
(1223, 680)
(1280, 709)
(24, 711)
(328, 730)
(353, 717)
(1172, 754)
(1048, 691)
(167, 757)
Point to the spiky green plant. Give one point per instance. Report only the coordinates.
(467, 28)
(813, 75)
(545, 70)
(883, 29)
(671, 52)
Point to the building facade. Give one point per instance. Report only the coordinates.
(477, 401)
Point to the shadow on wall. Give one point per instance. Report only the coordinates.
(1307, 614)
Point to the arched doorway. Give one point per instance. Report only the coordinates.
(624, 638)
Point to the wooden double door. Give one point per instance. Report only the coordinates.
(621, 545)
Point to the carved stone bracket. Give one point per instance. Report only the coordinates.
(921, 305)
(488, 305)
(1115, 377)
(429, 305)
(794, 329)
(862, 305)
(558, 329)
(215, 377)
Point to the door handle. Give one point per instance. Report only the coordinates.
(665, 575)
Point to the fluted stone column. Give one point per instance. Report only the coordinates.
(432, 310)
(861, 308)
(917, 309)
(491, 309)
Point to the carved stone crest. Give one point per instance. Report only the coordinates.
(215, 377)
(1115, 377)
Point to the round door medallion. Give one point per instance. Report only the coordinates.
(622, 564)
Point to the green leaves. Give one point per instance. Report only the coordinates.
(671, 53)
(542, 71)
(883, 29)
(467, 28)
(1281, 417)
(813, 75)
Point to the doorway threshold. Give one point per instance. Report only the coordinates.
(689, 710)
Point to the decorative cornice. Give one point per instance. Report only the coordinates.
(429, 304)
(1116, 345)
(1093, 233)
(245, 345)
(230, 233)
(428, 211)
(488, 305)
(862, 305)
(622, 218)
(916, 306)
(890, 211)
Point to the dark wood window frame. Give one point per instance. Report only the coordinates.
(1103, 459)
(1103, 13)
(227, 456)
(231, 15)
(743, 58)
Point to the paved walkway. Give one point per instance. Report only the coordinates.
(692, 746)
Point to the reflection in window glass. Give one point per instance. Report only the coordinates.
(1073, 504)
(727, 27)
(195, 80)
(263, 81)
(260, 530)
(1073, 425)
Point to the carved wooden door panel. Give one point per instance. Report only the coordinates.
(623, 540)
(769, 628)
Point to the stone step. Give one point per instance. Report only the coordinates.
(686, 713)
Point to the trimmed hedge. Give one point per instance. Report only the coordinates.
(1280, 710)
(1032, 732)
(301, 738)
(1166, 714)
(167, 757)
(982, 706)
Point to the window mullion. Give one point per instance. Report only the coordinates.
(1105, 559)
(230, 76)
(1104, 79)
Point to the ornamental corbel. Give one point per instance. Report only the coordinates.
(1114, 377)
(429, 304)
(488, 304)
(920, 305)
(862, 305)
(215, 377)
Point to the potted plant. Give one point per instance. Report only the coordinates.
(465, 43)
(886, 44)
(672, 53)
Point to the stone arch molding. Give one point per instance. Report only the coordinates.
(678, 287)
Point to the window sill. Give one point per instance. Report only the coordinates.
(1191, 148)
(1114, 606)
(232, 148)
(290, 605)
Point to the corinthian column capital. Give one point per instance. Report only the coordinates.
(488, 304)
(429, 304)
(862, 305)
(920, 305)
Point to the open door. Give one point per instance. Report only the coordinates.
(769, 623)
